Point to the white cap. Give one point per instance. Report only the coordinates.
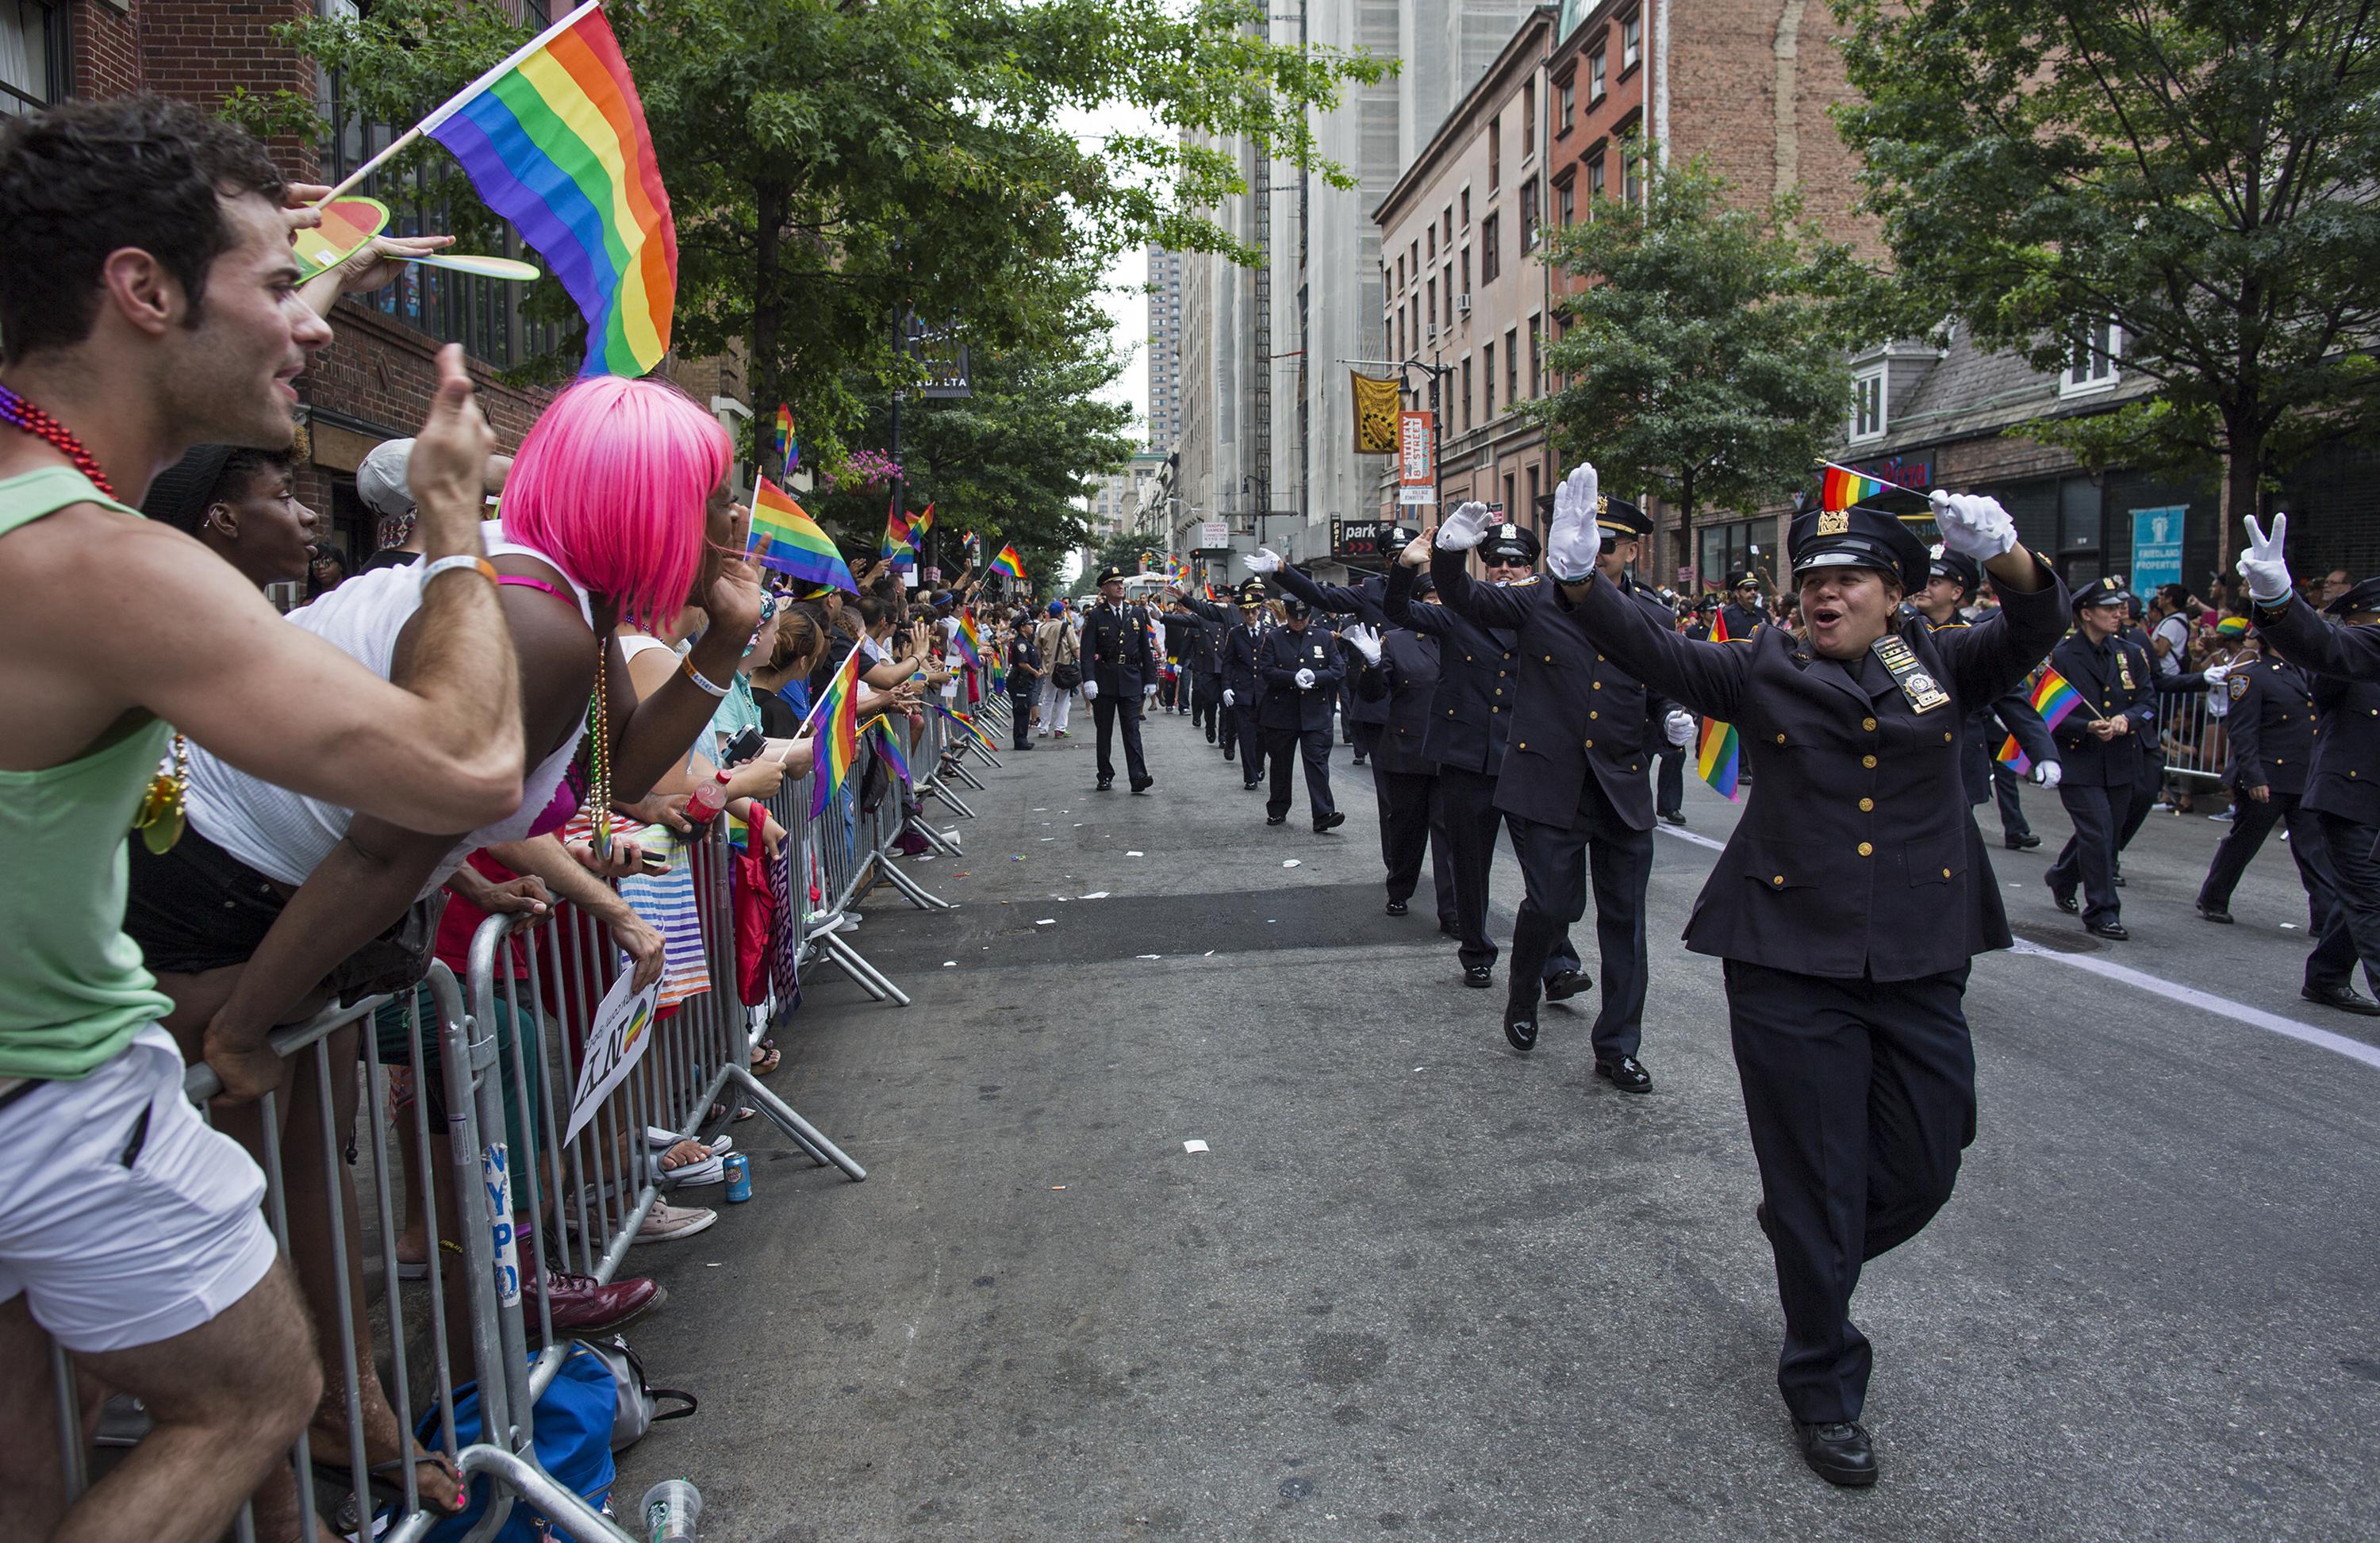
(380, 477)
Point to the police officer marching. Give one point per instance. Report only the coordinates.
(2269, 728)
(1851, 898)
(2343, 782)
(1207, 670)
(1298, 665)
(1400, 671)
(1237, 690)
(2097, 748)
(1120, 671)
(1576, 785)
(1742, 610)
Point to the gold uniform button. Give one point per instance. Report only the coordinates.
(1868, 723)
(1778, 880)
(1865, 850)
(1550, 659)
(1598, 686)
(1781, 739)
(1594, 715)
(1499, 690)
(1590, 745)
(1866, 805)
(1523, 745)
(1868, 762)
(1598, 659)
(1946, 873)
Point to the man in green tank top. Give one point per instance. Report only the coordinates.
(149, 301)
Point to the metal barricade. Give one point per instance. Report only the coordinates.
(2196, 746)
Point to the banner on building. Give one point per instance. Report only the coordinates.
(1416, 457)
(2156, 546)
(1375, 414)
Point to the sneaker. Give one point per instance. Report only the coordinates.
(665, 1222)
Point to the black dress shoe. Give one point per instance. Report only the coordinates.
(1107, 784)
(1480, 976)
(1248, 787)
(1330, 821)
(1673, 819)
(2215, 913)
(2025, 843)
(1521, 1028)
(2120, 881)
(1211, 739)
(1359, 760)
(1448, 928)
(1625, 1073)
(1027, 746)
(1398, 907)
(1836, 1451)
(2347, 999)
(1568, 984)
(2111, 930)
(1276, 819)
(1229, 759)
(1143, 785)
(2067, 903)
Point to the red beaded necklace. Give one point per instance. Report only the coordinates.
(19, 413)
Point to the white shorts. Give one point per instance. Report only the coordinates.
(120, 1234)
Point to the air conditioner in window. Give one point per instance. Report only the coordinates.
(1463, 304)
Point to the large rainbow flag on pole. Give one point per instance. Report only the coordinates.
(555, 139)
(1718, 757)
(2053, 696)
(788, 541)
(836, 714)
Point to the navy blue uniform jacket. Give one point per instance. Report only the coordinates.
(1278, 658)
(1471, 713)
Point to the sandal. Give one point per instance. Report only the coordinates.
(335, 1496)
(766, 1058)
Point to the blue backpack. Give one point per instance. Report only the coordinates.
(574, 1444)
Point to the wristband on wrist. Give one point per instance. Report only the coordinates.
(461, 560)
(689, 672)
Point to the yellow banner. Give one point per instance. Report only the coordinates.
(1376, 415)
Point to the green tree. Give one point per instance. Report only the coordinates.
(2199, 172)
(830, 163)
(1706, 358)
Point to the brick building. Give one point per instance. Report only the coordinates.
(375, 380)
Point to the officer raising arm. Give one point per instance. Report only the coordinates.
(2288, 625)
(1850, 900)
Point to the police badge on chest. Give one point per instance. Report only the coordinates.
(1924, 692)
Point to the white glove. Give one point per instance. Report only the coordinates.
(2217, 674)
(1973, 526)
(1465, 528)
(1090, 689)
(1304, 679)
(1230, 698)
(2262, 564)
(1680, 726)
(1573, 540)
(1367, 641)
(1263, 560)
(2048, 773)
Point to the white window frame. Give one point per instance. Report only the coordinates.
(2096, 362)
(1868, 392)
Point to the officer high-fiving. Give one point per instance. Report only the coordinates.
(1851, 898)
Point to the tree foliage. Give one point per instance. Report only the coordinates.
(2203, 172)
(1706, 358)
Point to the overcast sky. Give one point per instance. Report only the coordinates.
(1126, 305)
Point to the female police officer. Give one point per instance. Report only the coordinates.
(1851, 898)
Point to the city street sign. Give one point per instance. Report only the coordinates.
(1416, 457)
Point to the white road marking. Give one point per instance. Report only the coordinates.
(2239, 1012)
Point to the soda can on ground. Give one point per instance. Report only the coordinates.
(738, 1169)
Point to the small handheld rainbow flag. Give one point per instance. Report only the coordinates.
(922, 526)
(888, 746)
(900, 544)
(788, 454)
(555, 139)
(788, 541)
(962, 720)
(969, 642)
(2012, 755)
(1718, 757)
(1009, 562)
(2054, 697)
(1841, 486)
(836, 714)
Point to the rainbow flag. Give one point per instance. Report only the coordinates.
(900, 543)
(922, 526)
(1841, 486)
(1718, 757)
(962, 720)
(2012, 755)
(788, 541)
(969, 642)
(888, 746)
(2054, 698)
(788, 455)
(836, 714)
(555, 139)
(1009, 562)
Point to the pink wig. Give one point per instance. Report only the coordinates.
(614, 482)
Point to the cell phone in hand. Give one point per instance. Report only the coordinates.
(744, 746)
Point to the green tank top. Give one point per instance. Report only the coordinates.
(73, 990)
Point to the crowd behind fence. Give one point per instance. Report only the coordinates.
(477, 1157)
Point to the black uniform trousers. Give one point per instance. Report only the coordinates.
(1020, 711)
(2352, 932)
(1670, 785)
(1206, 704)
(1252, 742)
(1409, 805)
(1467, 808)
(1555, 866)
(2251, 824)
(2136, 814)
(1860, 1097)
(1286, 748)
(2005, 781)
(1364, 737)
(2089, 855)
(1109, 712)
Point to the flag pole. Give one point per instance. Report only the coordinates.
(455, 104)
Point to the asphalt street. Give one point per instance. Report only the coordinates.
(1420, 1284)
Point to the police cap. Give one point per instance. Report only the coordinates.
(1856, 537)
(1966, 570)
(1111, 575)
(1252, 592)
(1618, 517)
(2109, 590)
(1512, 543)
(1292, 606)
(2359, 598)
